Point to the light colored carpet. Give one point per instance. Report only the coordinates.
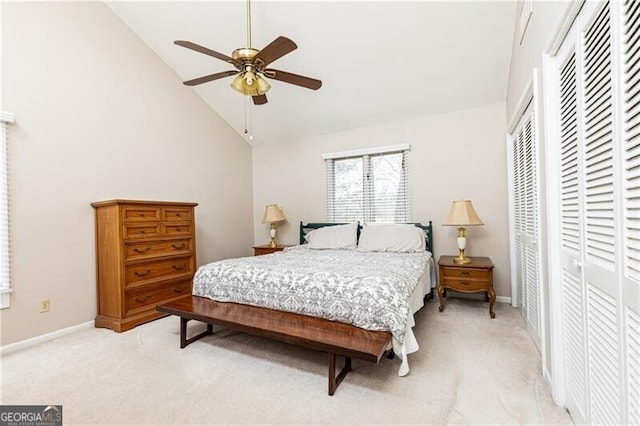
(470, 369)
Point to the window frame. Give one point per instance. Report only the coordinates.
(368, 155)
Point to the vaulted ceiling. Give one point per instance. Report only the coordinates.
(378, 61)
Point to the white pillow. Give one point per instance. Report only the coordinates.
(399, 238)
(334, 237)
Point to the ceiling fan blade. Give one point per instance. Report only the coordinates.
(206, 51)
(209, 77)
(259, 100)
(275, 50)
(298, 80)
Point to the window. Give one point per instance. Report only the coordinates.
(369, 185)
(5, 271)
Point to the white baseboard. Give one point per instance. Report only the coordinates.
(503, 299)
(27, 343)
(478, 296)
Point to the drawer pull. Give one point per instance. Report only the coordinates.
(142, 300)
(142, 231)
(179, 290)
(178, 247)
(465, 283)
(142, 274)
(465, 273)
(178, 214)
(177, 229)
(141, 214)
(139, 250)
(179, 267)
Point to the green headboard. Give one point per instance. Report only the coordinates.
(306, 227)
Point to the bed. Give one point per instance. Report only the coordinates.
(379, 276)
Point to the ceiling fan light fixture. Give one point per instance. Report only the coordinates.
(249, 78)
(263, 86)
(250, 84)
(237, 83)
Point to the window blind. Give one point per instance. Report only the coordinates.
(5, 264)
(373, 187)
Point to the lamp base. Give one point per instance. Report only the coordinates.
(272, 231)
(461, 259)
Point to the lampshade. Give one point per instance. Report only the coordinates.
(263, 85)
(462, 214)
(273, 214)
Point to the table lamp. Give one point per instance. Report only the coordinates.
(462, 214)
(273, 214)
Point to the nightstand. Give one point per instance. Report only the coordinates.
(473, 277)
(267, 249)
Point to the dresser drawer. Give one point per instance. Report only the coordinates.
(135, 251)
(482, 274)
(177, 229)
(160, 268)
(141, 230)
(147, 296)
(141, 213)
(462, 284)
(176, 214)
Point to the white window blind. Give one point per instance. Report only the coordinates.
(369, 187)
(5, 264)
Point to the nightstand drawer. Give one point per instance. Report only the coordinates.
(462, 284)
(465, 273)
(267, 249)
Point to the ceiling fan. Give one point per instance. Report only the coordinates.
(251, 66)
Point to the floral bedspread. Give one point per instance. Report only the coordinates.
(367, 289)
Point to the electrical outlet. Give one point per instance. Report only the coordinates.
(45, 305)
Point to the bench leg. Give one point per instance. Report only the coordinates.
(184, 341)
(334, 381)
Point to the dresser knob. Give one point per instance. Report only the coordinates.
(142, 300)
(139, 250)
(465, 283)
(179, 290)
(142, 274)
(181, 246)
(464, 273)
(179, 267)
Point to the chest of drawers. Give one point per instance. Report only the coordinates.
(145, 256)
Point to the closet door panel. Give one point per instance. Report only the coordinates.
(631, 202)
(573, 292)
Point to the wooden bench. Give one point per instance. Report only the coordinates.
(332, 337)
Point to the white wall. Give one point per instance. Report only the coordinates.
(456, 155)
(99, 116)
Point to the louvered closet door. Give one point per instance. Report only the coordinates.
(631, 203)
(600, 213)
(573, 330)
(525, 223)
(600, 222)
